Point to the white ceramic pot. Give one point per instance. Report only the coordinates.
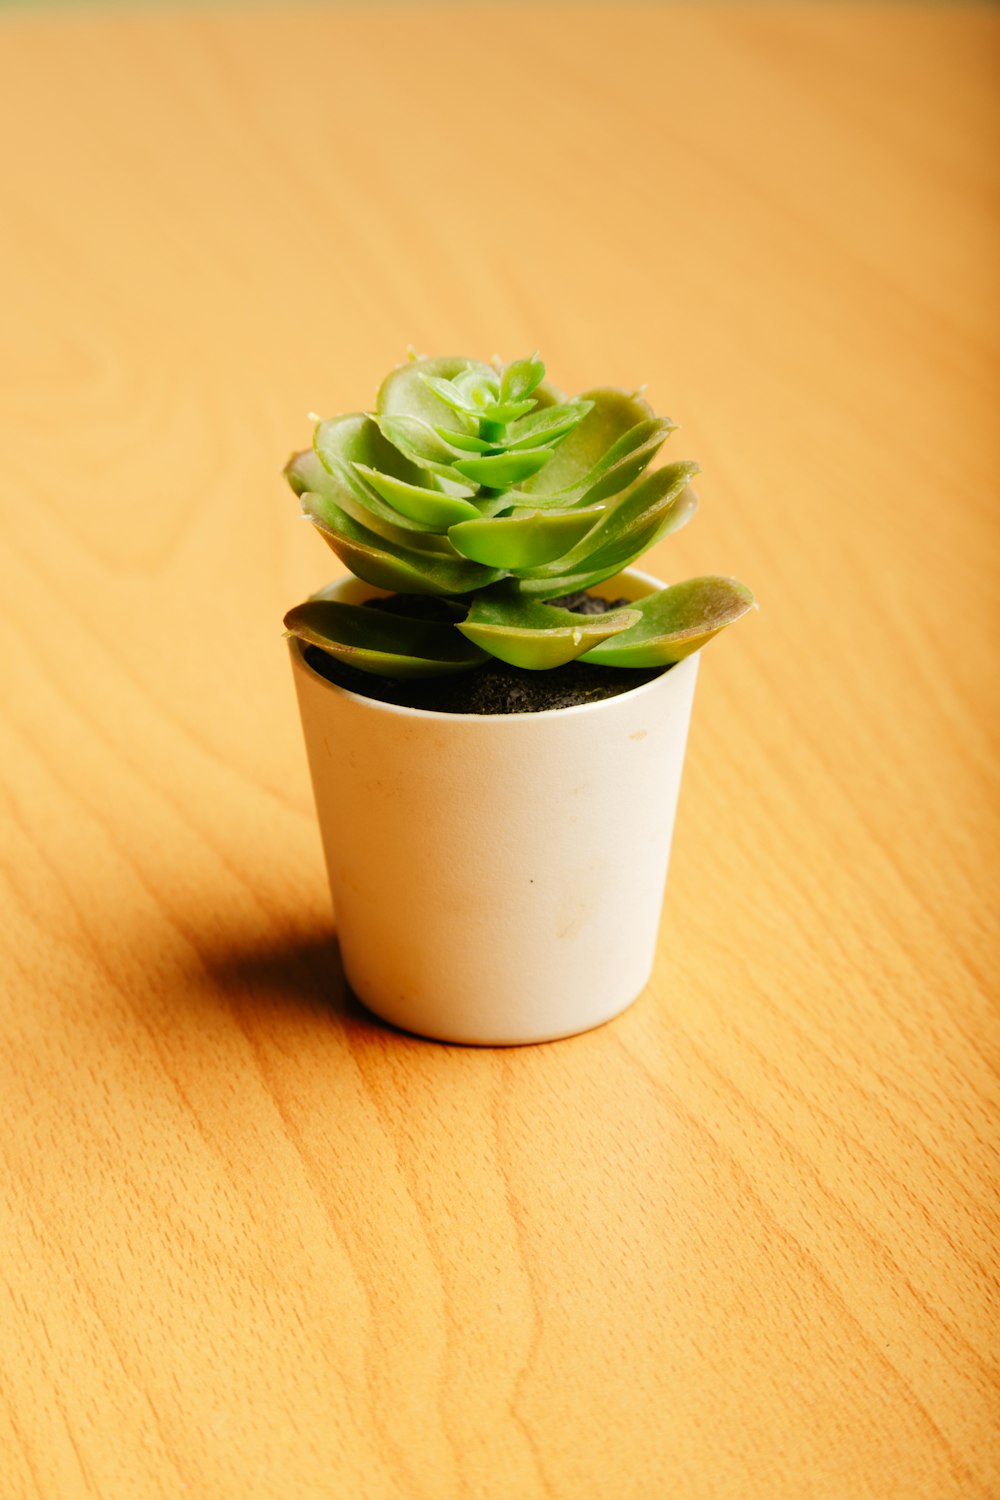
(497, 878)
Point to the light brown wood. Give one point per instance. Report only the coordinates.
(738, 1244)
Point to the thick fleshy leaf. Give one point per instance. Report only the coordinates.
(675, 622)
(455, 398)
(668, 515)
(343, 489)
(468, 442)
(520, 378)
(342, 443)
(634, 514)
(479, 384)
(611, 415)
(547, 394)
(424, 447)
(492, 505)
(387, 564)
(502, 412)
(305, 472)
(623, 550)
(496, 471)
(624, 461)
(430, 507)
(404, 393)
(536, 636)
(356, 438)
(525, 539)
(383, 644)
(548, 425)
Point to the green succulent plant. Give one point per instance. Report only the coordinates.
(487, 488)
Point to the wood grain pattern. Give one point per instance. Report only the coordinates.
(738, 1244)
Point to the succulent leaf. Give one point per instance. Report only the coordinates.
(498, 470)
(626, 459)
(453, 396)
(631, 517)
(430, 507)
(611, 415)
(423, 446)
(674, 622)
(339, 447)
(613, 557)
(383, 644)
(547, 394)
(549, 425)
(468, 442)
(388, 565)
(520, 378)
(537, 636)
(405, 393)
(525, 539)
(356, 438)
(480, 385)
(502, 412)
(305, 472)
(345, 490)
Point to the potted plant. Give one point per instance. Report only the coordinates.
(495, 703)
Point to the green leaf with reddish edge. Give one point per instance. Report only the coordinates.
(403, 392)
(528, 634)
(611, 415)
(430, 507)
(388, 565)
(383, 644)
(499, 470)
(675, 622)
(525, 539)
(548, 426)
(668, 516)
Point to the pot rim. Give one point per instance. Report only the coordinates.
(295, 645)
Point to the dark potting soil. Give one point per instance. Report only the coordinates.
(494, 687)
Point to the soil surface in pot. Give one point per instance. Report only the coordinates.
(495, 687)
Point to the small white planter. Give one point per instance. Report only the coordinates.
(498, 878)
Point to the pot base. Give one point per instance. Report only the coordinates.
(451, 1035)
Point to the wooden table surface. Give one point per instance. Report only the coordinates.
(737, 1244)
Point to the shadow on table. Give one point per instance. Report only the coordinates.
(295, 972)
(295, 975)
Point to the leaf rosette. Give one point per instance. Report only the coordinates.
(490, 490)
